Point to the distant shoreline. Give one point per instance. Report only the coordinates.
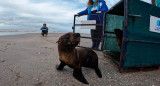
(7, 32)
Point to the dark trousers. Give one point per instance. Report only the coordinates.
(44, 32)
(96, 36)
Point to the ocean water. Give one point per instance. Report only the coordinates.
(13, 33)
(23, 25)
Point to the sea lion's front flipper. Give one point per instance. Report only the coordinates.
(61, 66)
(98, 72)
(79, 76)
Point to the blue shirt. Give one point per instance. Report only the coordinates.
(44, 28)
(102, 7)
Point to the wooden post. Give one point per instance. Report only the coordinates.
(154, 2)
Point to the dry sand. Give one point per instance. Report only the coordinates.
(29, 60)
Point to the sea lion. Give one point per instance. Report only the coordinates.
(76, 57)
(119, 36)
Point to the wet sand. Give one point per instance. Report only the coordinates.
(29, 60)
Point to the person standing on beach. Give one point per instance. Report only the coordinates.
(44, 29)
(95, 6)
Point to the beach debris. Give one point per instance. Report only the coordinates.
(16, 73)
(9, 44)
(2, 60)
(17, 76)
(39, 84)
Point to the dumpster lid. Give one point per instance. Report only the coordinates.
(117, 9)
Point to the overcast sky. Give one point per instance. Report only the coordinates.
(53, 11)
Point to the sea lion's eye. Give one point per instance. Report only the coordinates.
(67, 36)
(77, 35)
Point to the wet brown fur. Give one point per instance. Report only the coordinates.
(76, 57)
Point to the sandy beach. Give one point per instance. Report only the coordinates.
(30, 59)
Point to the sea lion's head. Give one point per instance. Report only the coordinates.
(69, 40)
